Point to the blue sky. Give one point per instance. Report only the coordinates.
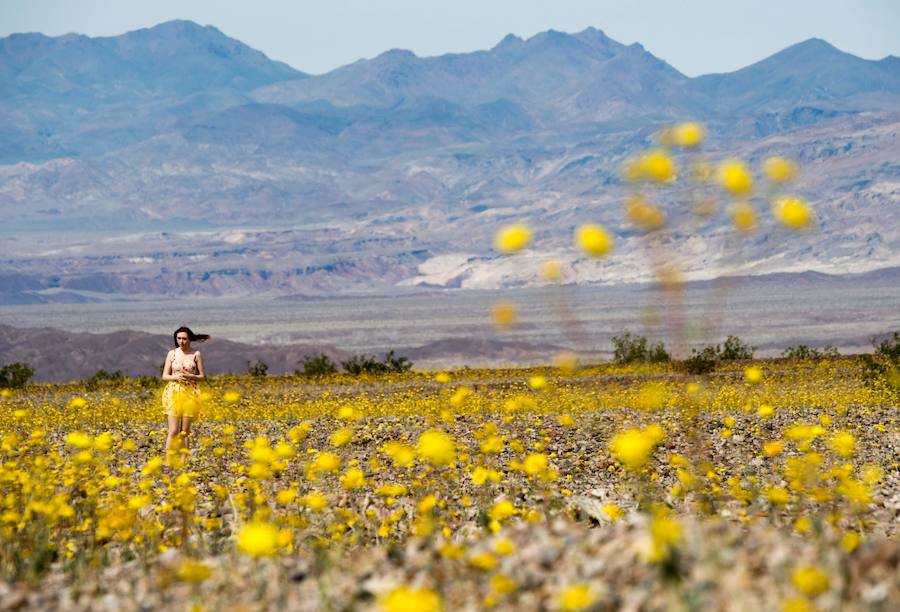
(696, 37)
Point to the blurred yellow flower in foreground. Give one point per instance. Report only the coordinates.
(315, 501)
(258, 539)
(401, 454)
(593, 239)
(502, 510)
(576, 597)
(779, 169)
(512, 238)
(743, 217)
(632, 447)
(792, 212)
(79, 439)
(326, 462)
(655, 166)
(644, 214)
(552, 270)
(353, 478)
(341, 437)
(850, 541)
(566, 361)
(753, 374)
(192, 570)
(77, 403)
(843, 443)
(537, 382)
(613, 512)
(534, 464)
(689, 134)
(810, 580)
(436, 447)
(504, 315)
(735, 177)
(666, 533)
(406, 599)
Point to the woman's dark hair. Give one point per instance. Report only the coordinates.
(191, 335)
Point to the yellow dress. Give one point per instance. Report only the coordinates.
(182, 397)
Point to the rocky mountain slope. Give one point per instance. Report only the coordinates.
(175, 160)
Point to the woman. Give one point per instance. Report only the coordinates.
(181, 397)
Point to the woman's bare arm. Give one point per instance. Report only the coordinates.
(167, 369)
(200, 367)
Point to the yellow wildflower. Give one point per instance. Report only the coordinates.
(315, 501)
(792, 212)
(502, 510)
(534, 464)
(258, 539)
(191, 570)
(613, 512)
(576, 597)
(634, 446)
(504, 315)
(593, 239)
(353, 478)
(537, 382)
(644, 214)
(326, 462)
(743, 217)
(512, 238)
(341, 437)
(843, 443)
(552, 270)
(753, 374)
(408, 599)
(779, 169)
(735, 177)
(79, 439)
(689, 134)
(436, 447)
(810, 580)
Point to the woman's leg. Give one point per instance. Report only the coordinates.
(174, 430)
(186, 430)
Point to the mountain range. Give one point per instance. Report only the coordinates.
(176, 160)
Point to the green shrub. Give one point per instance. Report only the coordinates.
(631, 348)
(883, 366)
(734, 349)
(397, 364)
(703, 361)
(658, 354)
(15, 375)
(146, 382)
(363, 364)
(102, 378)
(367, 364)
(314, 366)
(258, 369)
(802, 351)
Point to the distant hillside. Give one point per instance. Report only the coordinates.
(59, 356)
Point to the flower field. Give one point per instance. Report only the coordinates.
(713, 482)
(763, 485)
